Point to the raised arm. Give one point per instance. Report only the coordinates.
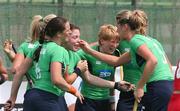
(19, 58)
(110, 59)
(8, 49)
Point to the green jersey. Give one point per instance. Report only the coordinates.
(162, 70)
(24, 49)
(100, 69)
(74, 59)
(50, 52)
(131, 72)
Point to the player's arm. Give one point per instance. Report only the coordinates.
(94, 80)
(70, 78)
(80, 68)
(18, 60)
(110, 59)
(17, 82)
(151, 62)
(8, 49)
(149, 67)
(58, 80)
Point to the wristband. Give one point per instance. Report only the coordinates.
(72, 90)
(77, 71)
(116, 85)
(2, 79)
(122, 87)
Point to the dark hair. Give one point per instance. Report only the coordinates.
(54, 26)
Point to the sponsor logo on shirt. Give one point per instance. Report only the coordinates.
(104, 73)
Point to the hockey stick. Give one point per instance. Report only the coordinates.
(135, 105)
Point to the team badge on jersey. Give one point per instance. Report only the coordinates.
(98, 62)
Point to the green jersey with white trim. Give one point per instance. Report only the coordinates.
(131, 72)
(162, 70)
(74, 59)
(24, 49)
(50, 52)
(100, 69)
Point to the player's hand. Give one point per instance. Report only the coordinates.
(79, 96)
(7, 46)
(84, 46)
(124, 86)
(9, 105)
(82, 65)
(138, 94)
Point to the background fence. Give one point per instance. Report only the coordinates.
(89, 15)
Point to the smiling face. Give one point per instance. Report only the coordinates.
(108, 46)
(108, 39)
(71, 41)
(74, 39)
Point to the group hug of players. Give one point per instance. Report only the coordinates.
(55, 56)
